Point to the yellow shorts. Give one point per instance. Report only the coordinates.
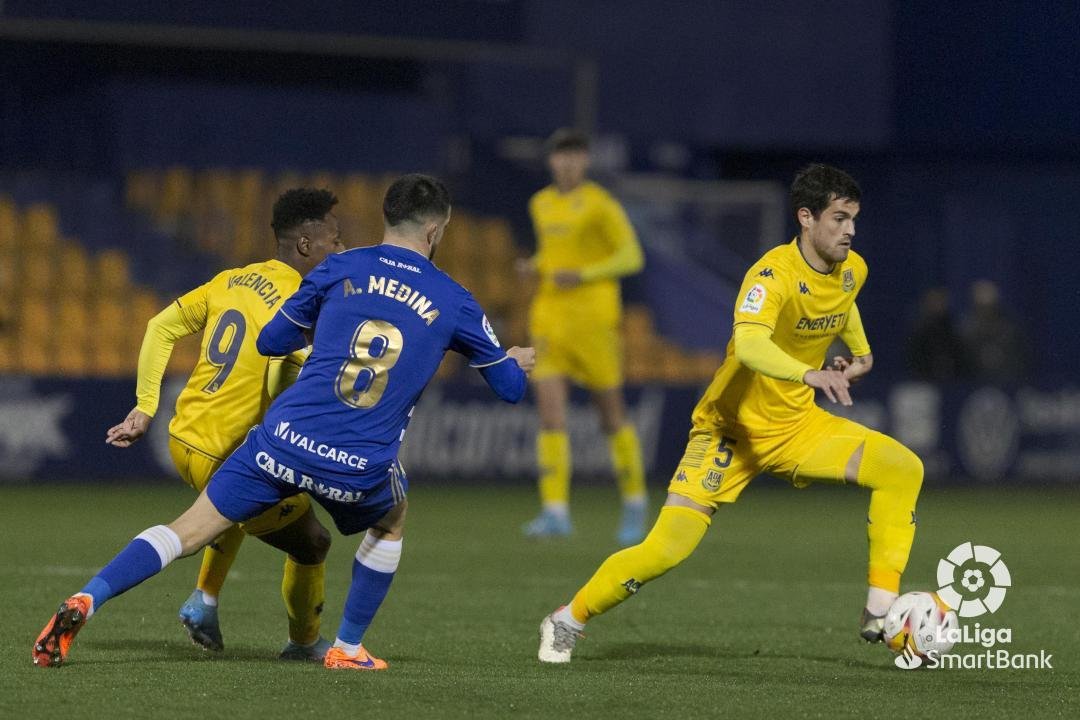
(196, 469)
(718, 465)
(589, 354)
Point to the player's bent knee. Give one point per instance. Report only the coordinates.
(199, 525)
(323, 541)
(319, 541)
(888, 462)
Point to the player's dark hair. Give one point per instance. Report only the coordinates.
(566, 140)
(297, 206)
(818, 185)
(415, 197)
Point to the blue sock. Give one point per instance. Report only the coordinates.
(373, 571)
(144, 557)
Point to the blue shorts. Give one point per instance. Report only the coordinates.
(252, 480)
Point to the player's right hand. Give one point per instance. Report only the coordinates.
(525, 357)
(831, 382)
(134, 427)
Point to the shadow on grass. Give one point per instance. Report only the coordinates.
(172, 650)
(657, 651)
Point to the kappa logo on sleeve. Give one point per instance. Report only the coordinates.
(490, 331)
(754, 301)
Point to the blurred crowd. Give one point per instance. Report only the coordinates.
(984, 344)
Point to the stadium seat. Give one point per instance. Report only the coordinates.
(74, 268)
(8, 362)
(111, 270)
(9, 224)
(33, 358)
(40, 226)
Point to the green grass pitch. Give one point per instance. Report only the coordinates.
(760, 622)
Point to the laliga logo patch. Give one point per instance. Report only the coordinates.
(755, 300)
(490, 331)
(973, 579)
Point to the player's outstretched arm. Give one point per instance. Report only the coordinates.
(184, 317)
(509, 377)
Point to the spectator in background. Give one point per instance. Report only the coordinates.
(936, 352)
(994, 341)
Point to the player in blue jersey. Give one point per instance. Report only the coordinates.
(380, 320)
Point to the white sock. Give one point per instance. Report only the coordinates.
(878, 601)
(351, 649)
(209, 599)
(636, 501)
(378, 554)
(558, 509)
(164, 541)
(564, 615)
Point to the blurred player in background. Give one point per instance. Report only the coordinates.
(758, 416)
(585, 243)
(228, 392)
(382, 318)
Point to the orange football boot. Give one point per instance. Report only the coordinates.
(55, 640)
(338, 659)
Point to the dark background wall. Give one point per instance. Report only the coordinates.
(961, 120)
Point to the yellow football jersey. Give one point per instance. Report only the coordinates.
(805, 309)
(226, 394)
(586, 230)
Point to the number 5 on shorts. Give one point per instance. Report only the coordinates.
(723, 452)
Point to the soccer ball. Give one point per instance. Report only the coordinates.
(920, 623)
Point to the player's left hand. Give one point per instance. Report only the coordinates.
(854, 368)
(566, 278)
(134, 427)
(525, 357)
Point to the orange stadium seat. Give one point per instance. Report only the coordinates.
(175, 196)
(36, 272)
(73, 269)
(34, 317)
(9, 223)
(34, 358)
(112, 274)
(8, 362)
(40, 226)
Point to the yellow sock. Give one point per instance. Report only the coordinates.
(894, 474)
(676, 533)
(217, 559)
(304, 591)
(629, 469)
(553, 457)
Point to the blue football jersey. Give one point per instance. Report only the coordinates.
(383, 317)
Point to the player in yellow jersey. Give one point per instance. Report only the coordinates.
(227, 394)
(758, 416)
(584, 245)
